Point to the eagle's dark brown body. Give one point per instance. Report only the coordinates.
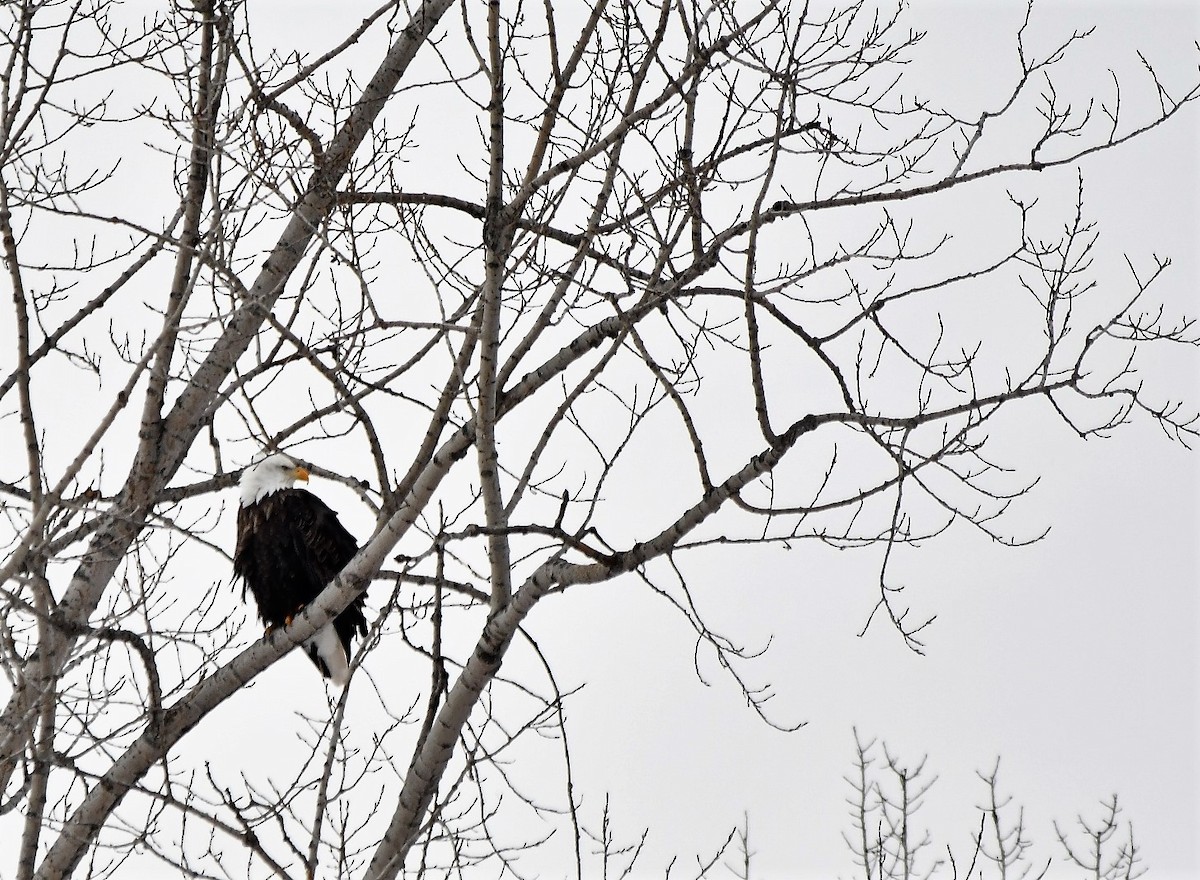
(290, 546)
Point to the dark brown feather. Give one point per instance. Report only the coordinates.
(290, 545)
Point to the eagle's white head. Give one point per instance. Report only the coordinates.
(273, 473)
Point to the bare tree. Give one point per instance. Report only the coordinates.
(886, 843)
(522, 260)
(883, 838)
(1108, 851)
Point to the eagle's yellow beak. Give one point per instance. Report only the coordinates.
(301, 473)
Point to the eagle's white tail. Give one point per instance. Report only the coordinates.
(329, 649)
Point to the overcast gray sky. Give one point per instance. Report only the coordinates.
(1075, 659)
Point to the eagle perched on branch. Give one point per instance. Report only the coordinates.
(290, 545)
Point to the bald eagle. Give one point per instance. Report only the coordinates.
(290, 545)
